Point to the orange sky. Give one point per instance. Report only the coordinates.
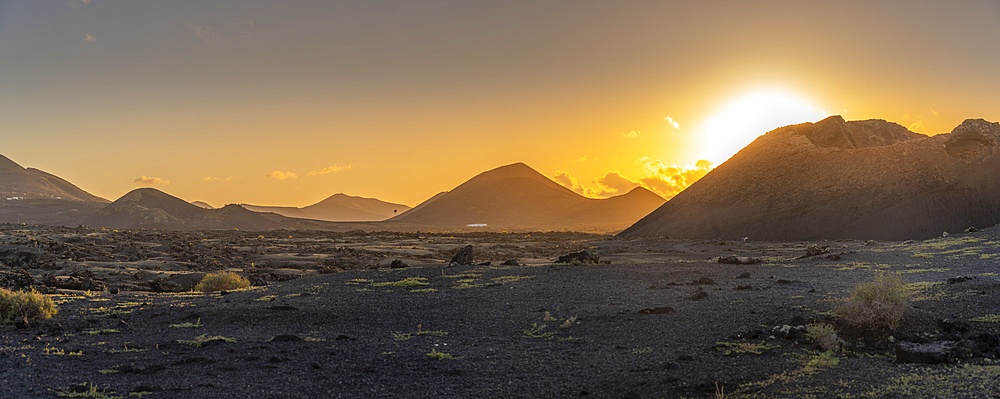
(399, 100)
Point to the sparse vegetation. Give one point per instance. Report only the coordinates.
(101, 331)
(824, 335)
(990, 318)
(401, 336)
(743, 347)
(60, 352)
(29, 304)
(188, 324)
(536, 332)
(877, 303)
(821, 360)
(222, 281)
(406, 282)
(434, 354)
(203, 339)
(85, 391)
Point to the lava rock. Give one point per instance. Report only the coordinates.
(21, 322)
(286, 338)
(398, 264)
(463, 257)
(511, 262)
(698, 295)
(579, 258)
(932, 353)
(738, 260)
(703, 281)
(658, 310)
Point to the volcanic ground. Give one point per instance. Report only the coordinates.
(328, 317)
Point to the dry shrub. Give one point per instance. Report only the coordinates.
(30, 304)
(221, 281)
(877, 303)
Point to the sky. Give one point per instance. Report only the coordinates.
(289, 102)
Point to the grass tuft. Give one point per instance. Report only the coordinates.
(30, 304)
(222, 281)
(203, 339)
(824, 335)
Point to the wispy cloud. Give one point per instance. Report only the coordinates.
(672, 122)
(281, 175)
(202, 32)
(78, 3)
(632, 135)
(90, 38)
(586, 159)
(210, 178)
(330, 169)
(150, 181)
(935, 112)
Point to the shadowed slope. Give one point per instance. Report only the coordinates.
(339, 208)
(31, 183)
(836, 179)
(153, 209)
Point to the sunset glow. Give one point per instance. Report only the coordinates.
(743, 119)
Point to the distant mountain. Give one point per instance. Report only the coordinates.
(835, 179)
(18, 183)
(339, 208)
(202, 204)
(518, 197)
(153, 209)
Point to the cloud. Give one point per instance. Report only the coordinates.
(586, 159)
(665, 180)
(935, 112)
(669, 180)
(281, 175)
(150, 181)
(202, 32)
(569, 182)
(672, 122)
(77, 3)
(330, 169)
(210, 178)
(918, 125)
(632, 135)
(90, 38)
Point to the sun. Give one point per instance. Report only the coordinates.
(737, 123)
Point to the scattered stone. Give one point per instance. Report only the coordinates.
(932, 353)
(398, 264)
(744, 275)
(971, 230)
(286, 338)
(487, 263)
(959, 279)
(275, 359)
(343, 337)
(21, 322)
(702, 281)
(113, 290)
(872, 242)
(698, 295)
(744, 287)
(579, 258)
(511, 262)
(832, 257)
(738, 260)
(315, 366)
(463, 257)
(944, 234)
(813, 250)
(685, 358)
(658, 310)
(283, 307)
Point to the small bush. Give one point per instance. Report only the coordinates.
(878, 303)
(824, 335)
(221, 281)
(30, 304)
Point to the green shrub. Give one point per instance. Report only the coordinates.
(824, 335)
(30, 304)
(877, 303)
(221, 281)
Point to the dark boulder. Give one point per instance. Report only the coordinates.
(738, 260)
(463, 257)
(398, 264)
(579, 258)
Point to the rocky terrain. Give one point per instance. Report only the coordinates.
(330, 317)
(835, 179)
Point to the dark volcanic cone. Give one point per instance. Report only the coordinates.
(31, 183)
(339, 208)
(153, 209)
(834, 179)
(518, 197)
